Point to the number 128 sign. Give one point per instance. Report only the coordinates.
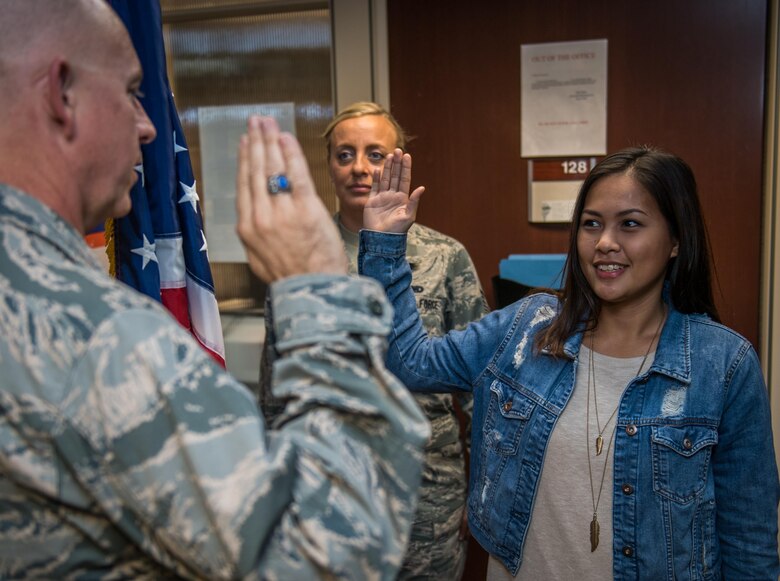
(575, 167)
(553, 185)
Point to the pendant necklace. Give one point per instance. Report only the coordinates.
(594, 524)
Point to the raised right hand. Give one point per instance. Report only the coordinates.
(286, 233)
(390, 207)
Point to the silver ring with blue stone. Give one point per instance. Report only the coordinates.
(279, 184)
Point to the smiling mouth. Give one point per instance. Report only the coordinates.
(609, 267)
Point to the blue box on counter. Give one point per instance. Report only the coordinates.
(534, 270)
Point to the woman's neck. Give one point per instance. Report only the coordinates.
(353, 223)
(627, 331)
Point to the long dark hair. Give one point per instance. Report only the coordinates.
(671, 183)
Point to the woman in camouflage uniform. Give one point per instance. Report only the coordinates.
(449, 296)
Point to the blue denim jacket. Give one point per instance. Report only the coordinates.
(695, 490)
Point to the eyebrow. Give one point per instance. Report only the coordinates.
(350, 146)
(621, 213)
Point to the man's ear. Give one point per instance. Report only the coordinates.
(60, 97)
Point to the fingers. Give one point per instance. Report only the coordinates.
(274, 161)
(414, 201)
(395, 170)
(258, 179)
(251, 194)
(297, 168)
(252, 199)
(384, 182)
(243, 198)
(288, 232)
(391, 173)
(405, 173)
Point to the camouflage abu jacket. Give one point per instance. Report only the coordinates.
(449, 296)
(125, 452)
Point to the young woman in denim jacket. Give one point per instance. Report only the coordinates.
(620, 431)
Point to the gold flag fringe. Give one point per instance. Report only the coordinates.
(111, 246)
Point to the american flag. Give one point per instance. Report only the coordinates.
(160, 247)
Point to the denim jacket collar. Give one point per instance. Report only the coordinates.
(672, 356)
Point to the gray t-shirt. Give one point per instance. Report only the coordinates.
(557, 544)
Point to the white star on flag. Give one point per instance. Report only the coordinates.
(190, 195)
(176, 147)
(140, 169)
(147, 252)
(205, 246)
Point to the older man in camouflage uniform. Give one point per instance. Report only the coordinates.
(125, 452)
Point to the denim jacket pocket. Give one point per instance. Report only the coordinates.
(507, 416)
(681, 457)
(495, 493)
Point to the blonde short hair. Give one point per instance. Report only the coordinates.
(360, 109)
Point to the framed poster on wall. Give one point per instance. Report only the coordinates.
(564, 98)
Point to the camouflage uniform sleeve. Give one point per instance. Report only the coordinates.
(174, 450)
(468, 303)
(466, 295)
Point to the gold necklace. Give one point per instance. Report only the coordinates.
(592, 371)
(594, 524)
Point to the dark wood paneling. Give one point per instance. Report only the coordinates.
(684, 76)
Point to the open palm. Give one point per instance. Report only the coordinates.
(390, 207)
